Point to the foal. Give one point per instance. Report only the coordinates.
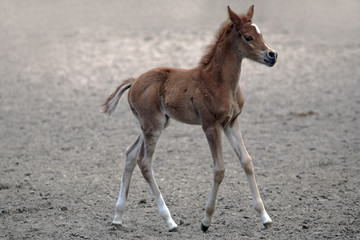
(208, 95)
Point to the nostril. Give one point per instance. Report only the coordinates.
(271, 54)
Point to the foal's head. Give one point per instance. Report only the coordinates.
(249, 42)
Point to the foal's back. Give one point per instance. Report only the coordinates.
(186, 95)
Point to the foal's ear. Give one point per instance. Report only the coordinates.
(250, 12)
(233, 16)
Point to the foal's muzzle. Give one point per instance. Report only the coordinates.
(270, 57)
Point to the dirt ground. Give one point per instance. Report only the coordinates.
(61, 160)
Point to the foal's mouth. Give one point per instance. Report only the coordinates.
(269, 62)
(270, 58)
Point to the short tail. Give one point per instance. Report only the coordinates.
(110, 104)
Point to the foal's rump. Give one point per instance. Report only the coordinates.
(165, 91)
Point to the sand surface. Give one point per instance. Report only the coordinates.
(61, 161)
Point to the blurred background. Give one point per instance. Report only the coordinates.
(89, 42)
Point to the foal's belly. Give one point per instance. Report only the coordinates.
(177, 96)
(181, 108)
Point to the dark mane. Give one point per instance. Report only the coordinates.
(211, 48)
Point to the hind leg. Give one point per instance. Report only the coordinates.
(152, 128)
(132, 153)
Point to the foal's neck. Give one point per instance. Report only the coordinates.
(225, 65)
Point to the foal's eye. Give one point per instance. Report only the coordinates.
(248, 38)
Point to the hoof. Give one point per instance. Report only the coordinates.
(116, 226)
(268, 225)
(174, 230)
(204, 228)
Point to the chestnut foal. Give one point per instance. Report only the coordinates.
(208, 95)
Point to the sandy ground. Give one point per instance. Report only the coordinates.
(61, 161)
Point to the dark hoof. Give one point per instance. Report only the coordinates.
(174, 230)
(268, 225)
(116, 226)
(204, 228)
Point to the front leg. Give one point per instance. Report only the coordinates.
(213, 136)
(233, 133)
